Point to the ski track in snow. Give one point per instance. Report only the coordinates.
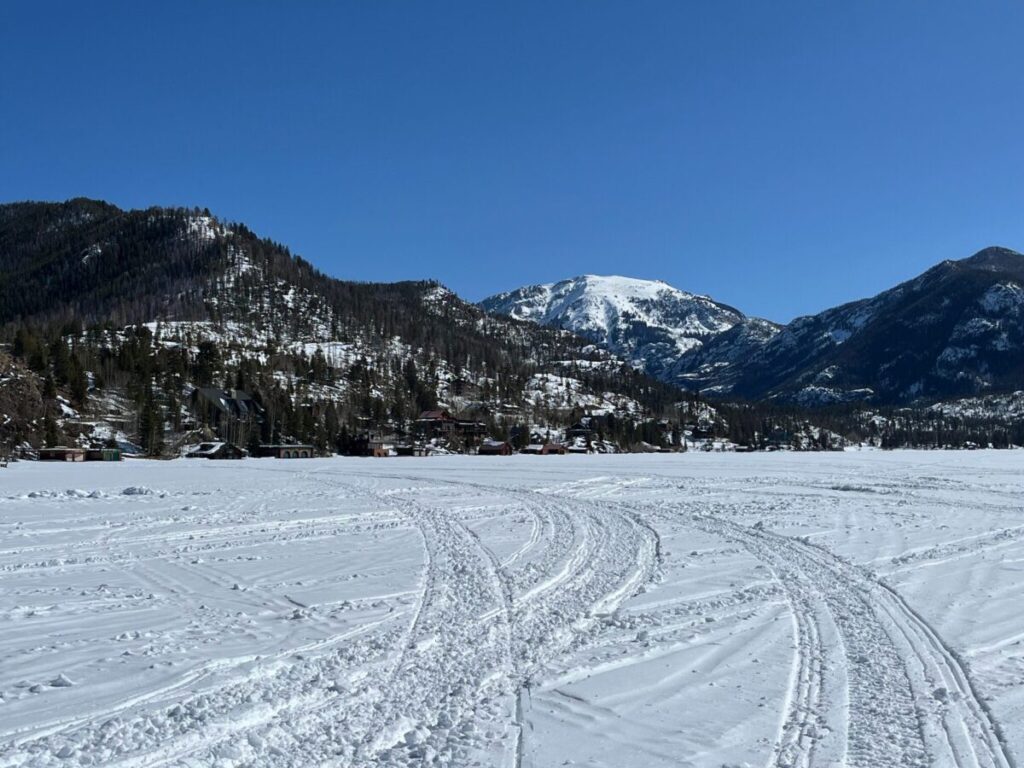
(521, 591)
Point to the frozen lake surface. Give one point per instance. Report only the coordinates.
(856, 609)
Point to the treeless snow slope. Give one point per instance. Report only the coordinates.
(856, 609)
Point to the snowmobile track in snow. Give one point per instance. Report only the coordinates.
(447, 678)
(908, 700)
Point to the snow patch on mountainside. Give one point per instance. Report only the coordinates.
(554, 391)
(205, 229)
(987, 407)
(596, 304)
(815, 395)
(94, 250)
(1003, 297)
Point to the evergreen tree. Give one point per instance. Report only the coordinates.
(78, 384)
(151, 426)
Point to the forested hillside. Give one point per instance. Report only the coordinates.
(122, 314)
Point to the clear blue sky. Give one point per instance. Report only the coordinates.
(782, 157)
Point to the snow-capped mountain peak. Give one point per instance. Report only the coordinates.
(648, 322)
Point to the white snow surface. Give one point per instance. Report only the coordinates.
(853, 609)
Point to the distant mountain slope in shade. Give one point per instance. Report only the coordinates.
(649, 323)
(956, 330)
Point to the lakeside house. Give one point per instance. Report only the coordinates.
(441, 425)
(546, 449)
(231, 413)
(495, 448)
(215, 451)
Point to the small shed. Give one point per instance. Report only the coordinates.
(61, 453)
(495, 448)
(410, 450)
(380, 446)
(103, 454)
(216, 451)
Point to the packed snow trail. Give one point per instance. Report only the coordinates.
(873, 684)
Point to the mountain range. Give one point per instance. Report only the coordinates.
(649, 323)
(956, 330)
(110, 318)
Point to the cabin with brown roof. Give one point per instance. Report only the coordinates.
(495, 448)
(441, 425)
(436, 424)
(547, 449)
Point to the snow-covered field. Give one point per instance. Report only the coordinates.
(858, 609)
